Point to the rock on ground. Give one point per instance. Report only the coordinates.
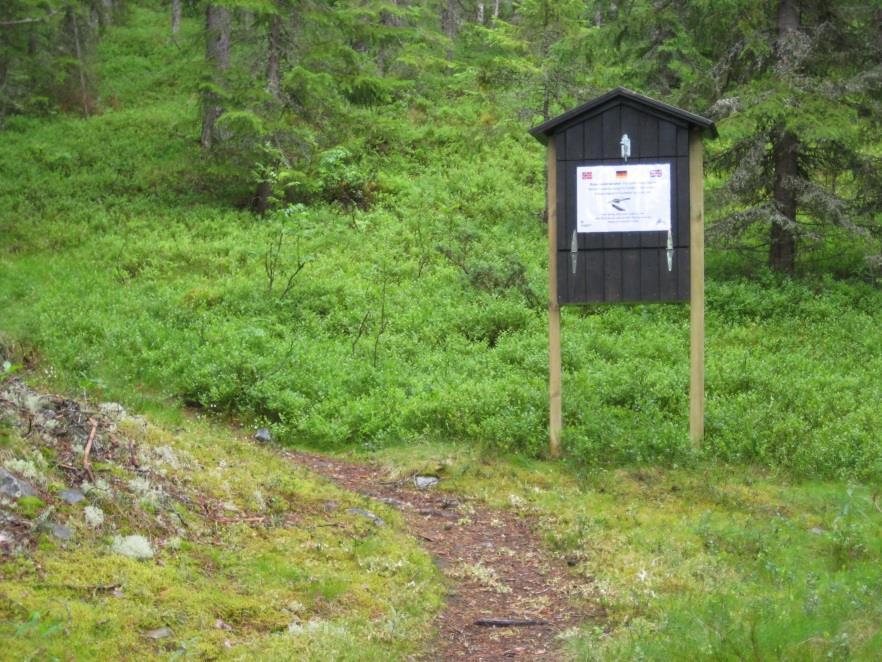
(367, 514)
(13, 487)
(424, 482)
(71, 496)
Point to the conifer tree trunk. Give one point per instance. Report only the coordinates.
(782, 245)
(450, 19)
(74, 31)
(388, 19)
(176, 10)
(782, 238)
(496, 9)
(217, 54)
(105, 14)
(260, 201)
(546, 45)
(274, 43)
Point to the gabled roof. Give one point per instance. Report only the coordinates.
(545, 129)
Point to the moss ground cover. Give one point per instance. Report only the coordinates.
(283, 570)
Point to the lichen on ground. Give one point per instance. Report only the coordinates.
(194, 542)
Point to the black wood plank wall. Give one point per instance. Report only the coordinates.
(622, 266)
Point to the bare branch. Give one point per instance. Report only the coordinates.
(23, 21)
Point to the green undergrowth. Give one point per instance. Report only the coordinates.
(180, 309)
(283, 571)
(713, 562)
(125, 263)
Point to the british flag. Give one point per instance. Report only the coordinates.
(586, 174)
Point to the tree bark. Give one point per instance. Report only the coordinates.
(261, 199)
(785, 147)
(788, 16)
(176, 10)
(450, 19)
(106, 13)
(260, 203)
(496, 9)
(73, 26)
(481, 13)
(217, 47)
(274, 42)
(391, 20)
(782, 244)
(217, 54)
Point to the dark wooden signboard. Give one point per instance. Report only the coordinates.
(622, 266)
(589, 259)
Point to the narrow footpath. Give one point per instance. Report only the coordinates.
(508, 597)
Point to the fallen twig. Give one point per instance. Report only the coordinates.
(34, 19)
(132, 456)
(508, 623)
(238, 520)
(87, 465)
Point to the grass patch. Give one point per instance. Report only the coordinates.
(30, 506)
(711, 562)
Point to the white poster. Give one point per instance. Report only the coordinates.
(624, 198)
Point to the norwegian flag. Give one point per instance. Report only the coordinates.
(587, 174)
(655, 173)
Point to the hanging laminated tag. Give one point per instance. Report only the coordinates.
(670, 251)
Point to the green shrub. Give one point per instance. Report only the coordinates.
(419, 313)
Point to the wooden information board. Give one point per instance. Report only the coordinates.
(626, 219)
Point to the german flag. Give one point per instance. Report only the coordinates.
(621, 174)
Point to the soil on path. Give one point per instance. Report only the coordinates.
(498, 568)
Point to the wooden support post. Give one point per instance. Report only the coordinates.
(696, 286)
(555, 417)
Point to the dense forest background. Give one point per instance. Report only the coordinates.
(327, 216)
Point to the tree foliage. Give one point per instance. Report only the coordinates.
(795, 86)
(45, 49)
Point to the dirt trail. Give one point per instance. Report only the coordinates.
(498, 567)
(508, 598)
